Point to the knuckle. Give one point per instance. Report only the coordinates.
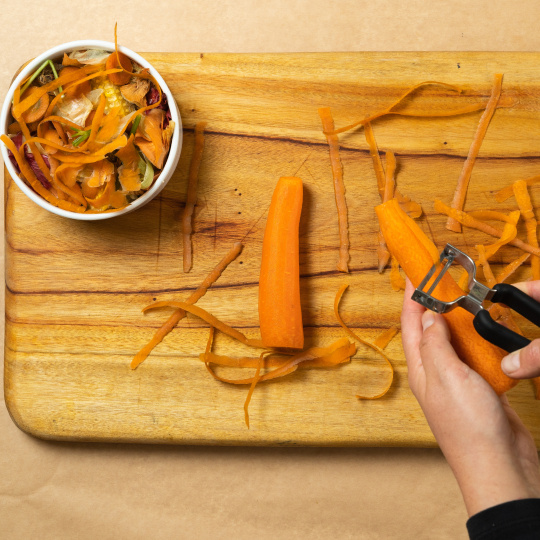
(429, 338)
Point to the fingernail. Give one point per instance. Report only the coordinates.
(427, 320)
(511, 363)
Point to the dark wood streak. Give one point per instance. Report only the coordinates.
(215, 286)
(356, 149)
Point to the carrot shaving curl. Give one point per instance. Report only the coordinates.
(319, 357)
(364, 342)
(525, 205)
(468, 221)
(339, 188)
(337, 353)
(210, 319)
(386, 185)
(28, 173)
(510, 268)
(396, 279)
(508, 191)
(187, 215)
(179, 314)
(389, 110)
(465, 175)
(386, 337)
(33, 148)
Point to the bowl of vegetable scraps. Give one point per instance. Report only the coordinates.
(89, 131)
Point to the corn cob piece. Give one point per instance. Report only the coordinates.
(113, 95)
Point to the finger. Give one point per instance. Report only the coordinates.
(438, 356)
(523, 364)
(532, 288)
(411, 333)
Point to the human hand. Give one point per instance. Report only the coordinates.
(490, 451)
(525, 363)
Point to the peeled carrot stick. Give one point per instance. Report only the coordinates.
(193, 179)
(525, 205)
(416, 254)
(339, 189)
(179, 314)
(465, 176)
(468, 221)
(280, 313)
(508, 191)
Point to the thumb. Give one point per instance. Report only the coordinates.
(523, 364)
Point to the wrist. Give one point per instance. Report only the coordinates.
(488, 479)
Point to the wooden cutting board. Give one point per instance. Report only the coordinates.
(75, 290)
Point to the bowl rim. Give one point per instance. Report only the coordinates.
(174, 152)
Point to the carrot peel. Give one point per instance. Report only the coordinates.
(339, 188)
(464, 177)
(364, 342)
(179, 314)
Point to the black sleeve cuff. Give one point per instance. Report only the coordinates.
(513, 520)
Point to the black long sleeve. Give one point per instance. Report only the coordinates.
(514, 520)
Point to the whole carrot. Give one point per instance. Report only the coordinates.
(280, 313)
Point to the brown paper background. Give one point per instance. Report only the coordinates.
(102, 491)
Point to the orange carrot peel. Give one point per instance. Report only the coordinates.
(337, 353)
(339, 188)
(508, 191)
(364, 342)
(464, 177)
(389, 110)
(468, 221)
(396, 280)
(525, 205)
(385, 337)
(179, 314)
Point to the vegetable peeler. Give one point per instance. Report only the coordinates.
(483, 323)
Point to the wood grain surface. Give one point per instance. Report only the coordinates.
(75, 290)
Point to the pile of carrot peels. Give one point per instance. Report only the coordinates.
(91, 131)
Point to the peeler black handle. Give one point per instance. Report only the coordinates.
(500, 335)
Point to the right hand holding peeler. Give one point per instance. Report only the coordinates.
(502, 293)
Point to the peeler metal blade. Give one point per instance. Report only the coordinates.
(472, 302)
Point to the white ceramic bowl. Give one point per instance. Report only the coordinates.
(176, 141)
